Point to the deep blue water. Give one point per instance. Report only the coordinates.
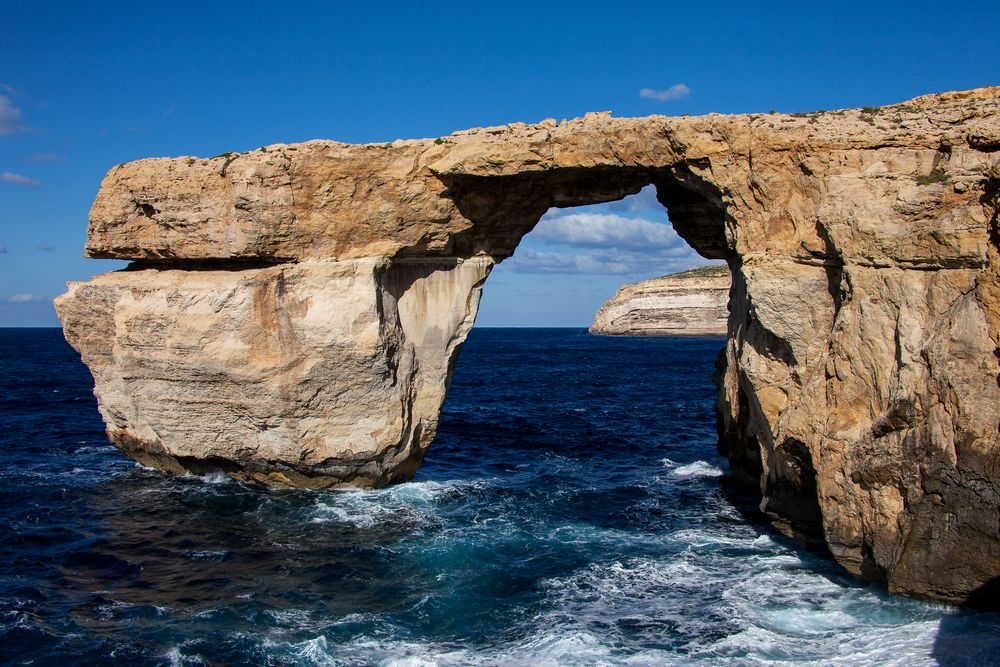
(572, 510)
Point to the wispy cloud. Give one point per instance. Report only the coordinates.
(10, 117)
(598, 242)
(44, 247)
(45, 158)
(678, 91)
(18, 179)
(23, 298)
(3, 249)
(167, 114)
(616, 262)
(607, 230)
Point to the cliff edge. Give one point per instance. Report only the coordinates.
(690, 303)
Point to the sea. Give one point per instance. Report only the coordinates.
(573, 510)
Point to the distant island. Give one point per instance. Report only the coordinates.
(690, 303)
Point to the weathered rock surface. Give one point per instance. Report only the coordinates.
(317, 373)
(690, 303)
(294, 312)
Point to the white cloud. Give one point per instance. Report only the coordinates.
(606, 230)
(590, 242)
(533, 261)
(44, 247)
(10, 117)
(3, 249)
(677, 91)
(23, 298)
(45, 158)
(617, 262)
(17, 179)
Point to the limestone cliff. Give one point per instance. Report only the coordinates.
(293, 313)
(305, 374)
(690, 303)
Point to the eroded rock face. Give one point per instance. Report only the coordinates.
(317, 373)
(293, 312)
(690, 303)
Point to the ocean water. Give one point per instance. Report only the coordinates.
(573, 510)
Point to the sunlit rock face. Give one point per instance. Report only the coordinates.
(690, 303)
(315, 373)
(293, 313)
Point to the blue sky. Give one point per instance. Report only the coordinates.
(84, 86)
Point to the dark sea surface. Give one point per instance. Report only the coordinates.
(573, 510)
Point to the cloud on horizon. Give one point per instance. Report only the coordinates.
(18, 179)
(678, 91)
(23, 298)
(10, 117)
(614, 262)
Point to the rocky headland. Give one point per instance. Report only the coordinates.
(690, 303)
(292, 313)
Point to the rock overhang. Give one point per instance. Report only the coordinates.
(328, 199)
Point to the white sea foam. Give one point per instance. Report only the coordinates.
(744, 538)
(409, 661)
(430, 492)
(555, 648)
(698, 469)
(176, 658)
(413, 502)
(15, 618)
(780, 609)
(553, 640)
(215, 477)
(358, 516)
(546, 649)
(315, 651)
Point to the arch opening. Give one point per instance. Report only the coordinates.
(577, 256)
(595, 236)
(505, 208)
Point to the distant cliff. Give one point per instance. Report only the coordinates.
(691, 303)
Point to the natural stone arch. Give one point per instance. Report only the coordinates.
(503, 209)
(293, 313)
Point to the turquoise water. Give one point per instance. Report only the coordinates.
(573, 510)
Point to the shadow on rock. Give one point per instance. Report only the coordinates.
(971, 636)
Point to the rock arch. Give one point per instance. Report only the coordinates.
(292, 314)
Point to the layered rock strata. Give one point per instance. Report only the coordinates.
(690, 303)
(292, 313)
